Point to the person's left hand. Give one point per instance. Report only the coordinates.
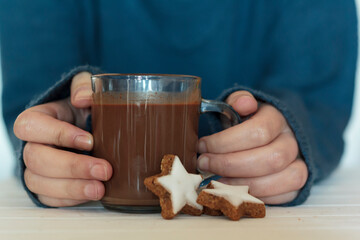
(261, 152)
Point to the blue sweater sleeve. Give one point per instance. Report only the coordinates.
(309, 77)
(39, 41)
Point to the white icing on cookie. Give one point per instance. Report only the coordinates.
(236, 195)
(182, 186)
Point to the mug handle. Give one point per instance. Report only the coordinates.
(224, 109)
(220, 107)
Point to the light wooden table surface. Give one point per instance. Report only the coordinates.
(331, 212)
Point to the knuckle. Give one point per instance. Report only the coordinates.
(299, 175)
(278, 160)
(46, 201)
(213, 142)
(69, 190)
(225, 165)
(56, 202)
(22, 124)
(261, 135)
(28, 155)
(29, 180)
(291, 196)
(293, 147)
(51, 202)
(75, 165)
(235, 95)
(209, 146)
(82, 79)
(60, 136)
(232, 98)
(84, 76)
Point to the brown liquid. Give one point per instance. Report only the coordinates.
(134, 137)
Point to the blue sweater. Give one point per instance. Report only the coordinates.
(299, 56)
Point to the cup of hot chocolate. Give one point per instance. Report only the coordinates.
(136, 120)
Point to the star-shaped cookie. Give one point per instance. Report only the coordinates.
(232, 201)
(176, 188)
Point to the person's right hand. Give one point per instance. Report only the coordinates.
(59, 177)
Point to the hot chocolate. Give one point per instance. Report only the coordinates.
(134, 136)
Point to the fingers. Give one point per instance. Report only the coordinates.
(269, 159)
(59, 177)
(289, 180)
(81, 91)
(260, 152)
(243, 102)
(75, 189)
(53, 123)
(50, 162)
(258, 131)
(49, 124)
(56, 202)
(279, 199)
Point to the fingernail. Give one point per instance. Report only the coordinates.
(203, 163)
(243, 100)
(91, 192)
(98, 171)
(83, 94)
(83, 141)
(202, 147)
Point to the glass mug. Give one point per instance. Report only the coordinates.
(138, 118)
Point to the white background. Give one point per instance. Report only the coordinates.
(350, 158)
(352, 133)
(6, 153)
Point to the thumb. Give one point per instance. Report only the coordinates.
(81, 90)
(243, 102)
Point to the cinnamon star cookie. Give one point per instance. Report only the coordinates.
(232, 201)
(176, 188)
